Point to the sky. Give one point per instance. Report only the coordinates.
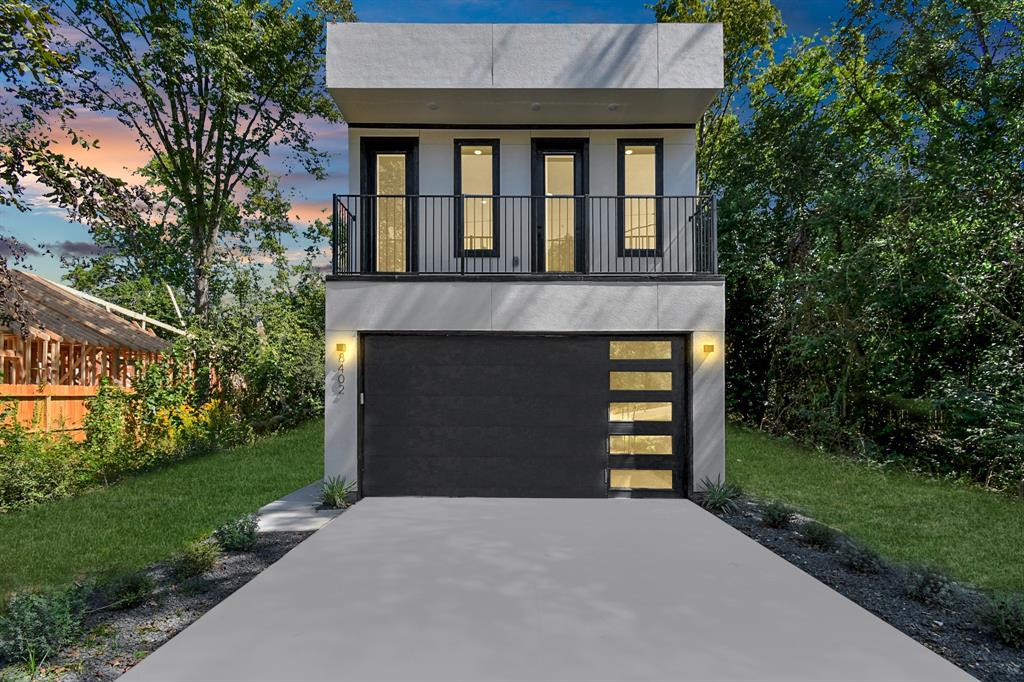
(49, 235)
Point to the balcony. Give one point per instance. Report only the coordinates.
(551, 237)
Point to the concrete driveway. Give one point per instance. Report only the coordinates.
(514, 589)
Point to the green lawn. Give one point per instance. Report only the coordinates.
(152, 516)
(974, 535)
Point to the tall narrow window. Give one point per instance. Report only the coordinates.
(476, 180)
(640, 182)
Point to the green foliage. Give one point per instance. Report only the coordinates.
(928, 585)
(127, 590)
(198, 558)
(256, 84)
(859, 558)
(35, 624)
(34, 466)
(776, 515)
(720, 496)
(1005, 615)
(337, 492)
(869, 229)
(238, 535)
(818, 535)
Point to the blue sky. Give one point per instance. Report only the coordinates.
(48, 234)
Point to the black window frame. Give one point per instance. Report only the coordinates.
(495, 145)
(659, 190)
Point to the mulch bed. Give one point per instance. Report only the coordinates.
(951, 630)
(118, 639)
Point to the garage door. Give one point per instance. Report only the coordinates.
(521, 416)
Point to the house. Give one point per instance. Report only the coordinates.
(524, 298)
(54, 360)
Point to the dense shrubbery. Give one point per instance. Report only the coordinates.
(261, 368)
(870, 232)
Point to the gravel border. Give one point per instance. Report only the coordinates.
(116, 640)
(950, 630)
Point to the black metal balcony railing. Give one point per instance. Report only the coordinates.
(523, 235)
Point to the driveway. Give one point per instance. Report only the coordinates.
(554, 589)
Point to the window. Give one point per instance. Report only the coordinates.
(639, 350)
(640, 181)
(476, 181)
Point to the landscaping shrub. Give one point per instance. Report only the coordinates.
(720, 496)
(198, 558)
(776, 515)
(928, 585)
(35, 624)
(859, 558)
(818, 535)
(239, 534)
(1005, 616)
(34, 467)
(125, 590)
(337, 492)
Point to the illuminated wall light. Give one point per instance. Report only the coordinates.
(709, 348)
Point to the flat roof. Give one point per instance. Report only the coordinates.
(525, 74)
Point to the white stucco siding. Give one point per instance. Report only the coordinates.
(545, 307)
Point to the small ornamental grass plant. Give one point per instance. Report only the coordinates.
(720, 496)
(126, 590)
(337, 492)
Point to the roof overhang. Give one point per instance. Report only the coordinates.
(523, 74)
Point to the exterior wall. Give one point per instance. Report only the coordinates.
(554, 307)
(436, 177)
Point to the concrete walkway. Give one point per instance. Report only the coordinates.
(489, 589)
(296, 511)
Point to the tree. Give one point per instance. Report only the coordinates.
(750, 29)
(871, 233)
(210, 88)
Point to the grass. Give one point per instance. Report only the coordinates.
(150, 517)
(974, 535)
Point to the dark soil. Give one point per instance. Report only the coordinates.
(950, 629)
(118, 639)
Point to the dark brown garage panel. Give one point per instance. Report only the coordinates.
(497, 416)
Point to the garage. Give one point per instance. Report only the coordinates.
(523, 415)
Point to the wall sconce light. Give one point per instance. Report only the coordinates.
(340, 348)
(709, 348)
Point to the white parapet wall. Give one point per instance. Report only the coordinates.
(694, 307)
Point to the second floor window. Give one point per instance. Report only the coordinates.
(476, 179)
(640, 181)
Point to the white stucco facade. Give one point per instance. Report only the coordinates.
(517, 86)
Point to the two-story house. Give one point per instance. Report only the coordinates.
(524, 297)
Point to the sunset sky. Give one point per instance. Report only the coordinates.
(49, 235)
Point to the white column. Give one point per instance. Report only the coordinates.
(341, 406)
(708, 407)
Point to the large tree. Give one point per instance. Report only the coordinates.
(210, 89)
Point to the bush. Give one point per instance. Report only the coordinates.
(859, 558)
(198, 558)
(36, 624)
(776, 515)
(720, 497)
(818, 535)
(125, 590)
(34, 467)
(928, 585)
(337, 492)
(238, 535)
(1005, 616)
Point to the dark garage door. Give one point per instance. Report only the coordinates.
(515, 416)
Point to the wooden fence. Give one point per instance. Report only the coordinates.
(50, 407)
